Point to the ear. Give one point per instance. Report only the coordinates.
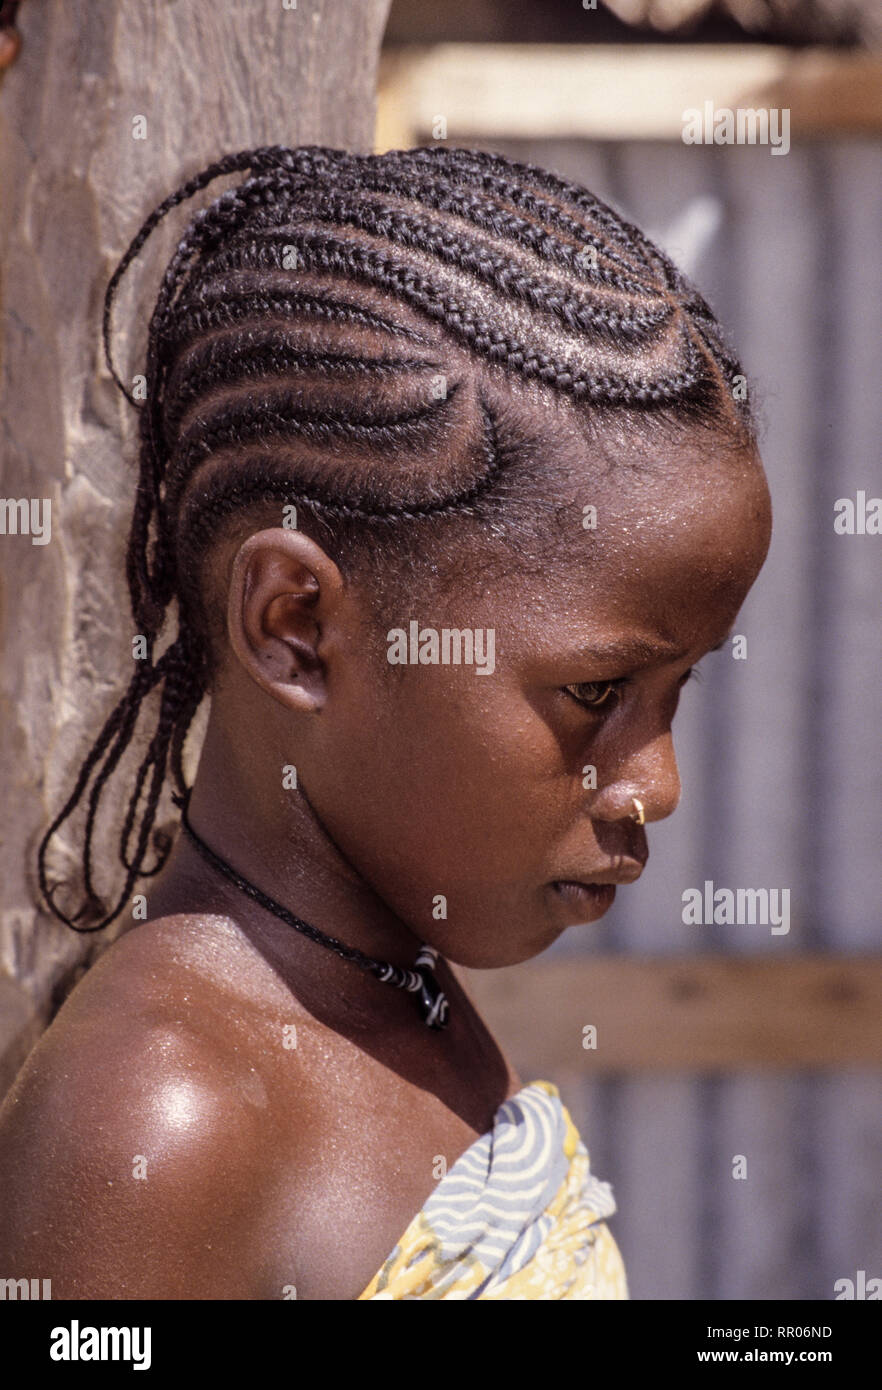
(284, 599)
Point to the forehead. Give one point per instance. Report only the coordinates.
(662, 539)
(685, 514)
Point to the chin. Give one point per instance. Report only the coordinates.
(497, 955)
(555, 912)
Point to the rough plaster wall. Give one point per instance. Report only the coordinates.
(74, 187)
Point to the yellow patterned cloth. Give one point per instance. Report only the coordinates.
(519, 1216)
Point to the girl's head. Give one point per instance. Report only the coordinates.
(419, 405)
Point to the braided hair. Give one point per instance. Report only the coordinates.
(328, 334)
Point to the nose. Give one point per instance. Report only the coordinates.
(650, 775)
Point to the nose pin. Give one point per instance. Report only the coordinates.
(638, 814)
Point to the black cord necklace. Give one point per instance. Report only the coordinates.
(433, 1003)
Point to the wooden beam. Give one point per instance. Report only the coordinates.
(693, 1013)
(607, 92)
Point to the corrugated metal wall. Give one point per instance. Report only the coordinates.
(779, 754)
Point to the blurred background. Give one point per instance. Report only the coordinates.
(714, 1041)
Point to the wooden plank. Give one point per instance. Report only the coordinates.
(688, 1013)
(608, 92)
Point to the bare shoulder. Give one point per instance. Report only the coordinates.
(136, 1146)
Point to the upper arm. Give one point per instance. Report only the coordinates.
(131, 1166)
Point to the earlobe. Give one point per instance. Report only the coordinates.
(283, 592)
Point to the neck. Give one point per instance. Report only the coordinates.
(281, 847)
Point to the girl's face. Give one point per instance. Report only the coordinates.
(463, 799)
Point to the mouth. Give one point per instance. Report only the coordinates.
(624, 871)
(595, 895)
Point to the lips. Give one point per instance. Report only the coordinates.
(627, 872)
(583, 902)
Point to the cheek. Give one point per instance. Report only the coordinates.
(460, 778)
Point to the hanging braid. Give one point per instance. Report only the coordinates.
(294, 353)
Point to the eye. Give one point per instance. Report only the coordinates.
(598, 695)
(595, 694)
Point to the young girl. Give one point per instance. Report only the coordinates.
(449, 475)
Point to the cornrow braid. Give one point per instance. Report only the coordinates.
(504, 277)
(175, 668)
(194, 320)
(457, 249)
(261, 357)
(225, 493)
(330, 332)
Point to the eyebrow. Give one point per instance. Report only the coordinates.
(637, 649)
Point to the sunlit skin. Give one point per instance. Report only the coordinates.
(271, 1166)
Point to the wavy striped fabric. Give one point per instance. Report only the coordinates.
(519, 1216)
